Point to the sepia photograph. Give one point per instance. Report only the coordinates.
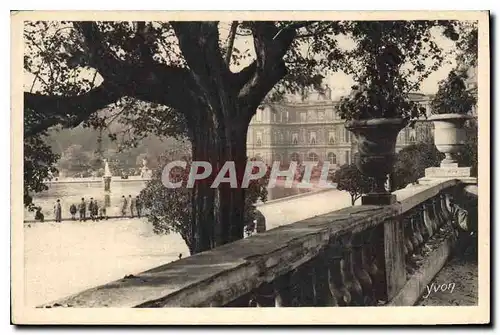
(236, 161)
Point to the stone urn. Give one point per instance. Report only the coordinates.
(376, 140)
(449, 135)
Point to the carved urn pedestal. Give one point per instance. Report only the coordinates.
(376, 154)
(449, 138)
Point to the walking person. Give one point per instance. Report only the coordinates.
(58, 211)
(124, 205)
(91, 209)
(138, 206)
(461, 222)
(82, 210)
(72, 211)
(95, 209)
(131, 202)
(39, 215)
(102, 213)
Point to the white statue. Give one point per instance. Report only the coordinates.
(146, 172)
(107, 171)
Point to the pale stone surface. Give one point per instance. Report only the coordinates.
(447, 172)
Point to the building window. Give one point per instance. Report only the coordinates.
(331, 137)
(303, 118)
(295, 138)
(347, 157)
(321, 114)
(258, 115)
(400, 137)
(295, 157)
(346, 135)
(312, 115)
(332, 158)
(413, 135)
(259, 138)
(313, 157)
(312, 137)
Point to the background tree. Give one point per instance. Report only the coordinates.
(348, 178)
(171, 77)
(412, 161)
(75, 160)
(169, 209)
(39, 166)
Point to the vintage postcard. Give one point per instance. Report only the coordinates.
(265, 167)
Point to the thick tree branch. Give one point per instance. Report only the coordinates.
(98, 54)
(44, 111)
(230, 44)
(199, 43)
(271, 44)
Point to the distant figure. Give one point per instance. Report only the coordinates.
(95, 210)
(72, 211)
(138, 206)
(58, 211)
(124, 205)
(460, 221)
(260, 221)
(257, 225)
(39, 215)
(180, 256)
(102, 213)
(91, 209)
(82, 210)
(131, 202)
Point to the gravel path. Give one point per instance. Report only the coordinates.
(455, 285)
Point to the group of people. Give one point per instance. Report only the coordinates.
(132, 205)
(95, 212)
(92, 210)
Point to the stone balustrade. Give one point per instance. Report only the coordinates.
(357, 256)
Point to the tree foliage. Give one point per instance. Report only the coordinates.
(453, 96)
(390, 61)
(350, 179)
(412, 161)
(169, 209)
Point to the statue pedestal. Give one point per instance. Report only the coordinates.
(107, 184)
(447, 171)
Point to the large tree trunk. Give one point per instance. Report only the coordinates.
(218, 213)
(232, 200)
(203, 196)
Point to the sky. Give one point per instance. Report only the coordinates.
(339, 82)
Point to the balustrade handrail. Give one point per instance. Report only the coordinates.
(221, 275)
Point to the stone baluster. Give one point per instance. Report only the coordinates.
(361, 268)
(282, 294)
(408, 245)
(446, 213)
(339, 294)
(428, 218)
(416, 229)
(263, 296)
(419, 220)
(352, 283)
(374, 253)
(436, 203)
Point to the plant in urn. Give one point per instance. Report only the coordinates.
(380, 107)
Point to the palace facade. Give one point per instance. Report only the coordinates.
(311, 130)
